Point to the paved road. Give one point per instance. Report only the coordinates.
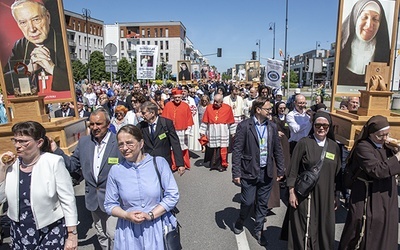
(209, 206)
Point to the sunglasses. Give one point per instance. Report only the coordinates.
(319, 125)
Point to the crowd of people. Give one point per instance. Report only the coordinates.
(137, 131)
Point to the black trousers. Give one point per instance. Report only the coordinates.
(250, 189)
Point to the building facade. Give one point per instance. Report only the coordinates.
(84, 35)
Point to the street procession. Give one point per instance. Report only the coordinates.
(216, 125)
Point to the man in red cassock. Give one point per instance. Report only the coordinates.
(217, 124)
(181, 115)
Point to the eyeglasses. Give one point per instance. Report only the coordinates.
(128, 144)
(301, 102)
(323, 125)
(266, 109)
(23, 143)
(144, 112)
(117, 114)
(380, 137)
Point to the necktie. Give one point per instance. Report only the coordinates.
(152, 131)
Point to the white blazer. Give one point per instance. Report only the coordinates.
(52, 193)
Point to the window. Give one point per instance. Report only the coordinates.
(121, 33)
(166, 32)
(166, 57)
(73, 25)
(155, 32)
(79, 26)
(84, 40)
(122, 45)
(155, 42)
(94, 42)
(80, 54)
(91, 29)
(161, 55)
(148, 32)
(143, 34)
(79, 40)
(161, 32)
(166, 45)
(143, 42)
(161, 45)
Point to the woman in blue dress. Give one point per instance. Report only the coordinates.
(133, 194)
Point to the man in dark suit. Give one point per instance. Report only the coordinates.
(159, 136)
(65, 110)
(112, 104)
(81, 108)
(256, 150)
(94, 155)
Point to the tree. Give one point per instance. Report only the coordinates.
(79, 70)
(294, 77)
(124, 70)
(97, 67)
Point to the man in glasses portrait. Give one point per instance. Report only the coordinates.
(40, 52)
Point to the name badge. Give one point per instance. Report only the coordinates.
(162, 136)
(112, 160)
(330, 156)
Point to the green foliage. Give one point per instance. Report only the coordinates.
(97, 67)
(124, 70)
(79, 70)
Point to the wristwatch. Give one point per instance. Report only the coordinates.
(74, 232)
(151, 215)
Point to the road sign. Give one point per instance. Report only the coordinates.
(110, 49)
(169, 67)
(111, 68)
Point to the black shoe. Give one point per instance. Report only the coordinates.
(221, 169)
(261, 240)
(238, 227)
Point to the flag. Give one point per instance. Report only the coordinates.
(281, 53)
(273, 73)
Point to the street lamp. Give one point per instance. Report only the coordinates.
(286, 29)
(259, 50)
(86, 15)
(272, 27)
(317, 44)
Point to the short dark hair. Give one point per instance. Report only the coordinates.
(149, 106)
(33, 129)
(258, 103)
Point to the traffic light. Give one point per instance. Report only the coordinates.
(254, 55)
(219, 52)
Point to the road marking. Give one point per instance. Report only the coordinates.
(241, 241)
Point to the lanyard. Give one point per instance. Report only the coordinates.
(261, 136)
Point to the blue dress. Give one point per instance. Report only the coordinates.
(135, 187)
(24, 234)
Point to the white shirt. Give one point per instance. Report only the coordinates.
(299, 125)
(98, 154)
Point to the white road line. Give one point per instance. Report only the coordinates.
(241, 241)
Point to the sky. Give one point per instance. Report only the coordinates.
(235, 26)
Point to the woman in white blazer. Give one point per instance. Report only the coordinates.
(39, 191)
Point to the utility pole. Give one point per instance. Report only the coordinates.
(86, 15)
(286, 30)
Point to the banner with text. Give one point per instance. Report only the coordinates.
(146, 64)
(273, 73)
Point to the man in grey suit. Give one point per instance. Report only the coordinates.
(94, 155)
(256, 151)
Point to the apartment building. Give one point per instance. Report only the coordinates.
(82, 33)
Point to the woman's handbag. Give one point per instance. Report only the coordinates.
(171, 232)
(306, 180)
